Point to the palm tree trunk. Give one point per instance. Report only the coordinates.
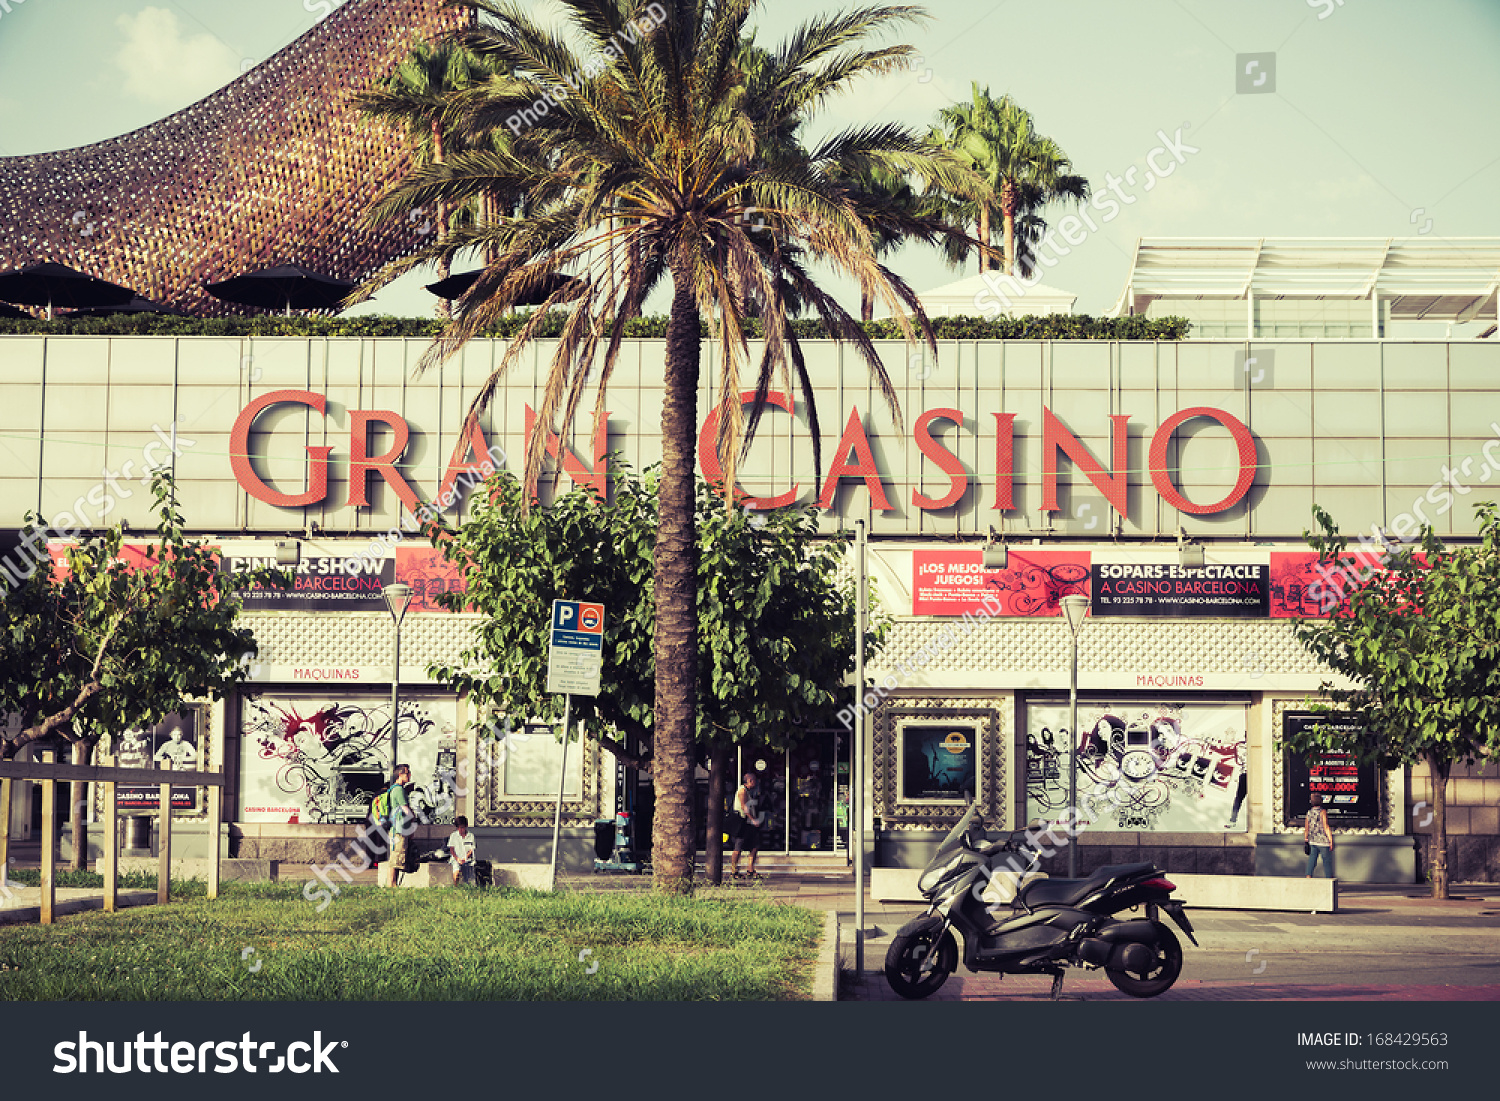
(1008, 215)
(718, 768)
(1438, 862)
(985, 263)
(675, 564)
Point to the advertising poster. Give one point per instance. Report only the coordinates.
(328, 584)
(1141, 766)
(955, 582)
(324, 759)
(429, 574)
(1167, 589)
(937, 761)
(172, 743)
(1350, 790)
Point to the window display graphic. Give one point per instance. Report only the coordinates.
(314, 759)
(172, 743)
(1141, 766)
(937, 761)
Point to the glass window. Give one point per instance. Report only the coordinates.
(533, 757)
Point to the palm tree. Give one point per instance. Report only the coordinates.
(1026, 171)
(657, 157)
(419, 98)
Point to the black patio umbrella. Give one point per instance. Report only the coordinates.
(51, 285)
(456, 286)
(287, 288)
(11, 311)
(135, 305)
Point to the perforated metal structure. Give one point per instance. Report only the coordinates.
(275, 168)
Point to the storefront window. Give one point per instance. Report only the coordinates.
(937, 761)
(533, 757)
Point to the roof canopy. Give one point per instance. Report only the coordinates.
(1429, 279)
(982, 295)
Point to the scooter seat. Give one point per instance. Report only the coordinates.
(1067, 892)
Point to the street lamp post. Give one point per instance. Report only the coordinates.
(1074, 608)
(397, 597)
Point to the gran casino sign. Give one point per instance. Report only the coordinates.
(852, 458)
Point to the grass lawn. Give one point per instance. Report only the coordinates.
(433, 945)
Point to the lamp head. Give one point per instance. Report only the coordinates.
(397, 597)
(1074, 608)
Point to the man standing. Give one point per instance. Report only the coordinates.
(747, 822)
(397, 828)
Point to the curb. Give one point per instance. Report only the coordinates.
(826, 969)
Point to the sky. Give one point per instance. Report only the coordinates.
(1377, 118)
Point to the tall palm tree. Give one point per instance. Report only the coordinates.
(651, 157)
(419, 97)
(1025, 170)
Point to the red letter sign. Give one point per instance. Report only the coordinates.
(958, 476)
(1056, 437)
(362, 464)
(713, 470)
(1161, 478)
(854, 438)
(244, 471)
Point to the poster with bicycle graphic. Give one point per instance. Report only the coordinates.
(1142, 766)
(307, 758)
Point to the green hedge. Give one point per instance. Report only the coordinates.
(1047, 327)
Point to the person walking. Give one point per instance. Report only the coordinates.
(1318, 837)
(747, 822)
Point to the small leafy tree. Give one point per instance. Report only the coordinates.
(104, 645)
(1420, 638)
(775, 625)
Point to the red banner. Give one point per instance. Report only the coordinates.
(955, 582)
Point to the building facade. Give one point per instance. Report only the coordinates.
(1168, 482)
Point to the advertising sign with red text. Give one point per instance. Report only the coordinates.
(956, 582)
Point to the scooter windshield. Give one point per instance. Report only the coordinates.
(954, 841)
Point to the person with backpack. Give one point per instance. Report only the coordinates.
(391, 813)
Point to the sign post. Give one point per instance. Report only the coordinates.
(574, 664)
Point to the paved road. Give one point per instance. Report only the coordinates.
(1379, 949)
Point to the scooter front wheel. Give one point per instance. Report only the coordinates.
(1159, 977)
(903, 963)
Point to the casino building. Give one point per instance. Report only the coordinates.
(1168, 482)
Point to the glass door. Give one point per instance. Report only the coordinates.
(769, 768)
(810, 782)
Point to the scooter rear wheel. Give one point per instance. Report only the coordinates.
(903, 963)
(1159, 977)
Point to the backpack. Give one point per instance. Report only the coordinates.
(380, 809)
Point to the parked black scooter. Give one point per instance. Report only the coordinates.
(1049, 925)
